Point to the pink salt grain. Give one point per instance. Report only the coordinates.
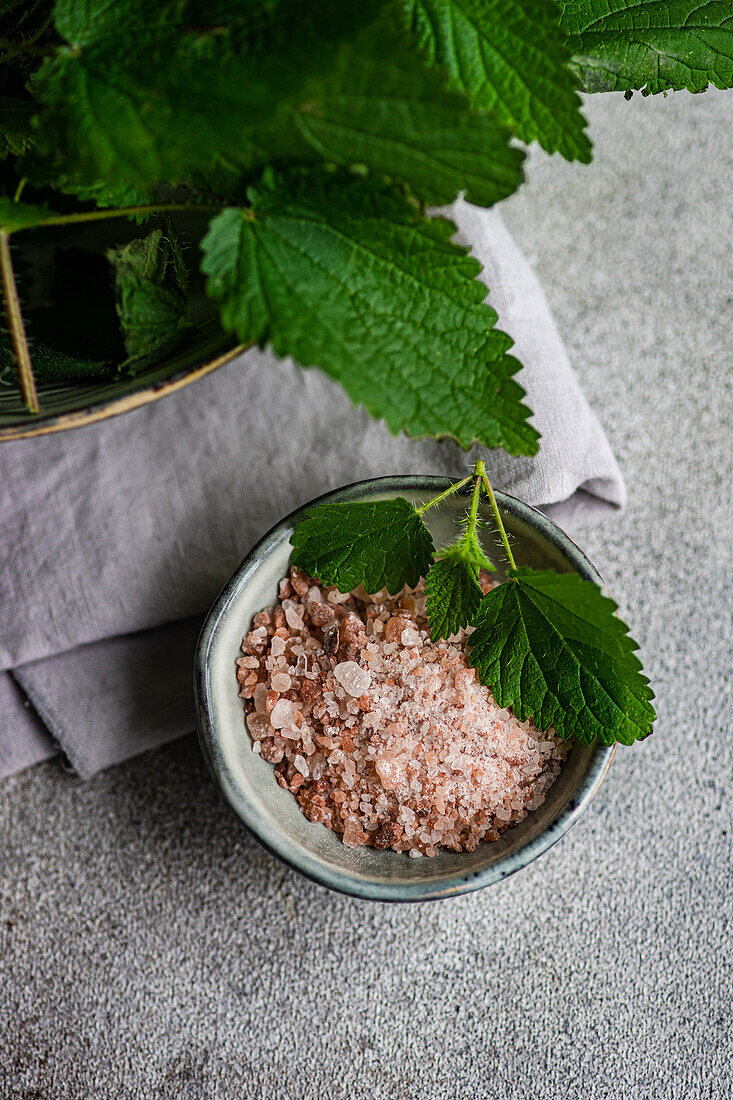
(353, 678)
(382, 735)
(283, 714)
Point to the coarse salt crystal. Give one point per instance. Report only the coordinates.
(388, 772)
(280, 682)
(277, 648)
(260, 697)
(300, 764)
(293, 619)
(248, 662)
(410, 636)
(259, 725)
(353, 678)
(283, 714)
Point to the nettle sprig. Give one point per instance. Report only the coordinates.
(550, 646)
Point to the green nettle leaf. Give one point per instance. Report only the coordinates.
(652, 45)
(380, 544)
(151, 302)
(452, 588)
(510, 57)
(453, 595)
(379, 106)
(19, 215)
(551, 647)
(157, 93)
(345, 274)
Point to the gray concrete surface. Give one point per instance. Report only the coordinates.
(150, 949)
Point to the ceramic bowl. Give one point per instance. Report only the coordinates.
(273, 815)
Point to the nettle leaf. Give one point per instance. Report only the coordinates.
(452, 588)
(148, 93)
(151, 302)
(379, 106)
(652, 45)
(346, 275)
(453, 595)
(380, 544)
(20, 215)
(510, 57)
(551, 647)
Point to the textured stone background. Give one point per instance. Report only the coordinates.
(150, 949)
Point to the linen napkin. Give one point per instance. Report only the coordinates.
(116, 537)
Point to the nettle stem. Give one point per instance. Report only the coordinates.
(471, 518)
(497, 517)
(17, 329)
(122, 212)
(479, 477)
(441, 496)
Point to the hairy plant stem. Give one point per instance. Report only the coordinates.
(478, 475)
(497, 517)
(441, 496)
(118, 212)
(17, 329)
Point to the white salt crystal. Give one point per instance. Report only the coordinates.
(277, 647)
(300, 764)
(280, 682)
(410, 636)
(248, 662)
(353, 678)
(337, 597)
(388, 772)
(283, 714)
(293, 619)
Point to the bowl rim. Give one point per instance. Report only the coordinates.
(129, 394)
(278, 844)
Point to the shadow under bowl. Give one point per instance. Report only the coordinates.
(273, 815)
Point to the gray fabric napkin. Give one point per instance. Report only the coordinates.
(116, 537)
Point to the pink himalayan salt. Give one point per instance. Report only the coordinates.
(283, 714)
(398, 746)
(353, 678)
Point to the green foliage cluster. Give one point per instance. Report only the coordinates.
(314, 137)
(549, 645)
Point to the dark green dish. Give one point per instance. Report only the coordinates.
(66, 289)
(274, 816)
(72, 404)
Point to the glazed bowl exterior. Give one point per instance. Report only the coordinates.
(273, 815)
